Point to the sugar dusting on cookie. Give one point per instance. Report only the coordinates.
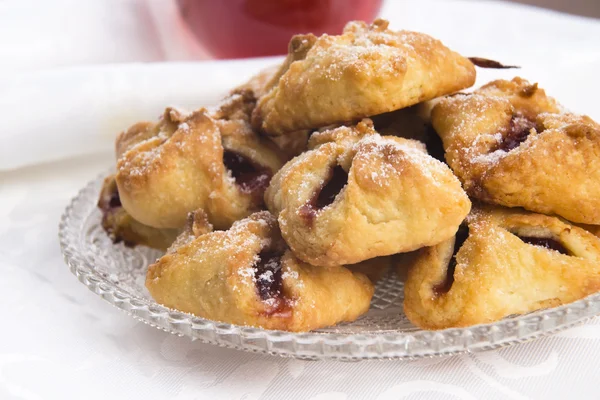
(361, 44)
(411, 151)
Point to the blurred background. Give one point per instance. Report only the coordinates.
(588, 8)
(40, 34)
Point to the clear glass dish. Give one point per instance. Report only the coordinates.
(117, 273)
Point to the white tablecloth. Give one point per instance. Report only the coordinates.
(59, 341)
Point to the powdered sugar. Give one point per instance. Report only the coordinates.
(489, 158)
(247, 273)
(184, 127)
(369, 50)
(272, 302)
(290, 275)
(268, 275)
(142, 163)
(411, 151)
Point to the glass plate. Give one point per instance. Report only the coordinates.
(117, 274)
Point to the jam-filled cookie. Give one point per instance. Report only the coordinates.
(247, 276)
(501, 262)
(510, 145)
(120, 225)
(208, 159)
(367, 70)
(357, 195)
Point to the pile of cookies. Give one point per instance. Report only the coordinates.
(282, 205)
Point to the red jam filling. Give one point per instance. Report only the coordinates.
(546, 243)
(326, 194)
(520, 128)
(249, 176)
(444, 287)
(267, 274)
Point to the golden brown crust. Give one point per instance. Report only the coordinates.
(289, 145)
(219, 276)
(292, 144)
(344, 135)
(121, 226)
(397, 198)
(509, 145)
(367, 70)
(499, 272)
(181, 166)
(197, 224)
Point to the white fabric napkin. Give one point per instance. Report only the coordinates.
(63, 113)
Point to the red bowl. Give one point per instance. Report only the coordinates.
(254, 28)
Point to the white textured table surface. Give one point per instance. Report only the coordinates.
(59, 341)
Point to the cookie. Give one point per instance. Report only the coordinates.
(207, 159)
(367, 70)
(502, 262)
(357, 195)
(511, 145)
(122, 227)
(247, 276)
